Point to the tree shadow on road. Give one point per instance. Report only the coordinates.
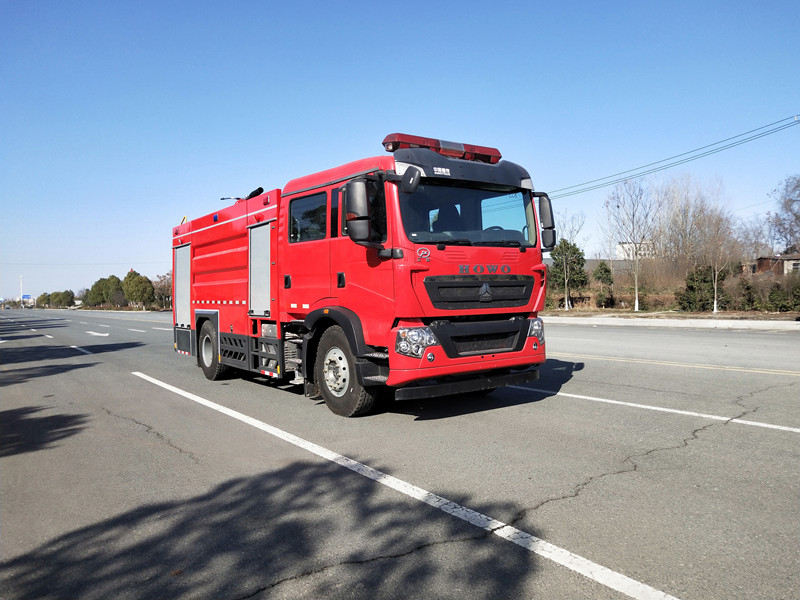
(104, 348)
(16, 329)
(23, 430)
(307, 530)
(10, 377)
(10, 356)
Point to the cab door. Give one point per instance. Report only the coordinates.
(305, 264)
(360, 279)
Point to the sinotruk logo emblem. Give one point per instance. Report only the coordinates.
(485, 293)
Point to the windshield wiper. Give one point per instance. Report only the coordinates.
(454, 242)
(514, 243)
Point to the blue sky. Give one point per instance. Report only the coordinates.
(119, 119)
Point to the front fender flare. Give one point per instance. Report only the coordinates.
(344, 318)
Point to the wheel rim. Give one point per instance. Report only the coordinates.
(206, 351)
(335, 372)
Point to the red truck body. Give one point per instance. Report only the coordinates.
(418, 273)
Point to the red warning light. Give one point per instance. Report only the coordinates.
(396, 141)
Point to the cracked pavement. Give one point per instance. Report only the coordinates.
(113, 488)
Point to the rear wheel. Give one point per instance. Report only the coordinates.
(208, 352)
(335, 375)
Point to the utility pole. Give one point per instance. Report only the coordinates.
(20, 291)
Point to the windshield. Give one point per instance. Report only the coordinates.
(462, 215)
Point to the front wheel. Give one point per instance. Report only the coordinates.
(335, 375)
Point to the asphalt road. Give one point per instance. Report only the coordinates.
(647, 462)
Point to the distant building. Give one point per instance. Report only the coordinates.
(777, 265)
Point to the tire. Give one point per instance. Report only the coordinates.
(335, 375)
(208, 352)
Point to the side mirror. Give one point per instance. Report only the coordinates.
(545, 210)
(410, 180)
(546, 221)
(548, 239)
(356, 205)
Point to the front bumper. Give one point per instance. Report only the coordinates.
(461, 385)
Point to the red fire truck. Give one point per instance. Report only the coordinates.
(415, 274)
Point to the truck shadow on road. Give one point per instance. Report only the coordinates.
(552, 376)
(306, 530)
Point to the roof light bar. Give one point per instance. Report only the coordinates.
(395, 141)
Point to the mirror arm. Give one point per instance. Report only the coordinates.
(390, 176)
(408, 182)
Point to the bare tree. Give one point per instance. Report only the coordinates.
(718, 244)
(607, 231)
(676, 237)
(785, 222)
(755, 238)
(633, 211)
(570, 227)
(162, 288)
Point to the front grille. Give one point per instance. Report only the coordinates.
(461, 292)
(468, 338)
(480, 344)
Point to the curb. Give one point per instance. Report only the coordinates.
(678, 323)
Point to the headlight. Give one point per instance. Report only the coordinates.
(412, 341)
(536, 329)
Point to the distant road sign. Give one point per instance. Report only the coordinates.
(26, 296)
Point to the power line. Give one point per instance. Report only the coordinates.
(672, 164)
(691, 155)
(676, 156)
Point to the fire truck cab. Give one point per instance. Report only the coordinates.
(414, 274)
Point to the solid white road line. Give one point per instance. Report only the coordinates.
(668, 363)
(661, 409)
(585, 567)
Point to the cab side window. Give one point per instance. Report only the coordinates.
(307, 218)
